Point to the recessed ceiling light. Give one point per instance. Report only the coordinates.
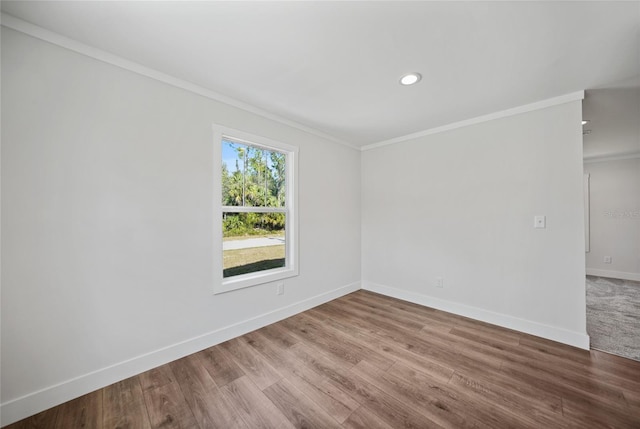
(585, 121)
(410, 78)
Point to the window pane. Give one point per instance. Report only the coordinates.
(253, 242)
(252, 176)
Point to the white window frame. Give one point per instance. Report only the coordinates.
(290, 269)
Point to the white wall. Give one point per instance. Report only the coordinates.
(106, 208)
(612, 157)
(614, 218)
(106, 222)
(460, 205)
(615, 129)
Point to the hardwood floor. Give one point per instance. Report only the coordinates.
(368, 361)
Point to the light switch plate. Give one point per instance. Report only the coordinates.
(539, 221)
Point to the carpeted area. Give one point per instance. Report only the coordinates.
(613, 316)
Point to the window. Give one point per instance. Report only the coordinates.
(255, 216)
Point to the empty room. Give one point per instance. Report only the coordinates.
(320, 214)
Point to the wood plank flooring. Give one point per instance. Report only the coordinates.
(368, 361)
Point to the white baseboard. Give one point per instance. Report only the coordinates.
(613, 274)
(33, 403)
(576, 339)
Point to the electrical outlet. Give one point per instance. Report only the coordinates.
(439, 282)
(280, 288)
(607, 259)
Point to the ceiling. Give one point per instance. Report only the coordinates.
(335, 66)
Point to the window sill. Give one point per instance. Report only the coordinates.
(254, 279)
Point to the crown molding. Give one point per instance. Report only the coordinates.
(115, 60)
(612, 157)
(574, 96)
